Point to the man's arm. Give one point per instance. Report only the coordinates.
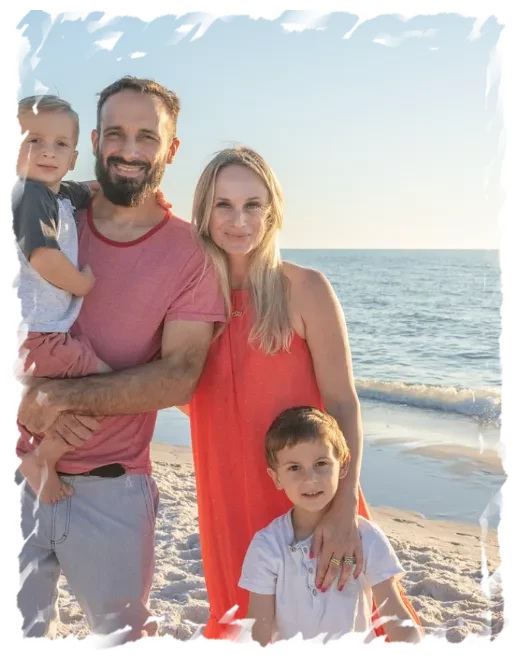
(164, 383)
(79, 192)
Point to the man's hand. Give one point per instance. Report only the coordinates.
(73, 429)
(335, 538)
(93, 186)
(37, 412)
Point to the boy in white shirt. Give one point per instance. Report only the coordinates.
(307, 455)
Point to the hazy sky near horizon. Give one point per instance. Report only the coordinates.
(388, 138)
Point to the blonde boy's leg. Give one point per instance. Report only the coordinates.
(39, 468)
(54, 355)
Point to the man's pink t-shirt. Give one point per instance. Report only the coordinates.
(140, 285)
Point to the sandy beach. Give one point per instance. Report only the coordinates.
(454, 592)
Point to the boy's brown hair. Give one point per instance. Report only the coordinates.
(48, 103)
(301, 424)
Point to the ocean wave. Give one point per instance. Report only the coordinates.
(481, 403)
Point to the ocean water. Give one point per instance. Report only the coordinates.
(424, 325)
(424, 330)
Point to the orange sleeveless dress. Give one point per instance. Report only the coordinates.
(239, 394)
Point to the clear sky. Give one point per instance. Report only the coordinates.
(385, 138)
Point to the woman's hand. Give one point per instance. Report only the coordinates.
(336, 536)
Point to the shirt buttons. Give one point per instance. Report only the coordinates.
(292, 549)
(310, 570)
(305, 550)
(314, 591)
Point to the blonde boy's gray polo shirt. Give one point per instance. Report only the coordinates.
(42, 218)
(276, 564)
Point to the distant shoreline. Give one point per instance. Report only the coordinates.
(182, 456)
(452, 466)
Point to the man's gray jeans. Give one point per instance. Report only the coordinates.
(102, 538)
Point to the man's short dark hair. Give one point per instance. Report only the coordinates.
(169, 99)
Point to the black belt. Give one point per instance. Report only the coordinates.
(111, 471)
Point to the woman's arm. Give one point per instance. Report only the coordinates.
(327, 338)
(399, 627)
(262, 608)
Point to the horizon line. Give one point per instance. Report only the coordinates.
(444, 249)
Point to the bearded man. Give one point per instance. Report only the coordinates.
(150, 317)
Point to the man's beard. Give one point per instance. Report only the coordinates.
(128, 191)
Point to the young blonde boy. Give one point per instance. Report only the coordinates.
(307, 455)
(51, 286)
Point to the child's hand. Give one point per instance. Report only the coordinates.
(89, 279)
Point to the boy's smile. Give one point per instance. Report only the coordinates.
(313, 494)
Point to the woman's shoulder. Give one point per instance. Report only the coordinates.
(300, 276)
(307, 285)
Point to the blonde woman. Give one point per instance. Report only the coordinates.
(285, 344)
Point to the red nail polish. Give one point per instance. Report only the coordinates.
(341, 588)
(324, 590)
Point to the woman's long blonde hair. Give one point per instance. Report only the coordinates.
(272, 329)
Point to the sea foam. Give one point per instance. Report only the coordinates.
(481, 403)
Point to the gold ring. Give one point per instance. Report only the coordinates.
(335, 561)
(349, 560)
